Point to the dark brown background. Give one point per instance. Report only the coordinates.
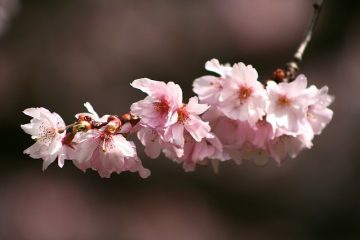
(59, 54)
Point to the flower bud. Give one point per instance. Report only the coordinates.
(82, 126)
(114, 124)
(279, 75)
(84, 118)
(126, 117)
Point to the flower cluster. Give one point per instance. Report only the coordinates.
(90, 142)
(234, 116)
(259, 122)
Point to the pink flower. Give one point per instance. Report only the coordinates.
(249, 152)
(243, 97)
(106, 153)
(263, 132)
(208, 87)
(152, 142)
(286, 110)
(187, 118)
(284, 146)
(197, 152)
(318, 114)
(48, 129)
(157, 109)
(223, 127)
(250, 142)
(67, 152)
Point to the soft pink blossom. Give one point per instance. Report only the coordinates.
(107, 153)
(197, 152)
(187, 118)
(223, 127)
(318, 114)
(243, 97)
(208, 87)
(250, 142)
(48, 130)
(152, 142)
(282, 147)
(263, 132)
(157, 109)
(249, 152)
(67, 152)
(287, 105)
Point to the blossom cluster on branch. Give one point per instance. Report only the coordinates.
(234, 116)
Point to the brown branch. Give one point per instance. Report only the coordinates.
(292, 67)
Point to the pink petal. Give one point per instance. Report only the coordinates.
(177, 131)
(195, 108)
(197, 128)
(148, 86)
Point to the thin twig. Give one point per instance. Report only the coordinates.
(293, 66)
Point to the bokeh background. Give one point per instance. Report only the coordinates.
(60, 54)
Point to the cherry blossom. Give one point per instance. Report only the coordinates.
(318, 114)
(106, 153)
(243, 97)
(287, 105)
(198, 152)
(208, 88)
(284, 146)
(152, 142)
(188, 119)
(48, 130)
(157, 110)
(237, 118)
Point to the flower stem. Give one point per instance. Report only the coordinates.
(293, 66)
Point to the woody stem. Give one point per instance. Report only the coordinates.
(292, 67)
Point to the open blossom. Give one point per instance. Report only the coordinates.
(48, 130)
(106, 153)
(208, 87)
(284, 146)
(243, 97)
(105, 149)
(152, 142)
(198, 152)
(241, 140)
(157, 109)
(262, 133)
(223, 127)
(166, 118)
(318, 114)
(287, 106)
(187, 118)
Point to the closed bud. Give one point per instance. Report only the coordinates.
(82, 126)
(126, 117)
(114, 124)
(279, 75)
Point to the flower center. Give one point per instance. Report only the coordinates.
(284, 101)
(47, 134)
(183, 115)
(107, 142)
(162, 106)
(245, 92)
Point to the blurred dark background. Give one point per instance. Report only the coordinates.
(60, 54)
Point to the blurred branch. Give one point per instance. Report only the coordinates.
(293, 66)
